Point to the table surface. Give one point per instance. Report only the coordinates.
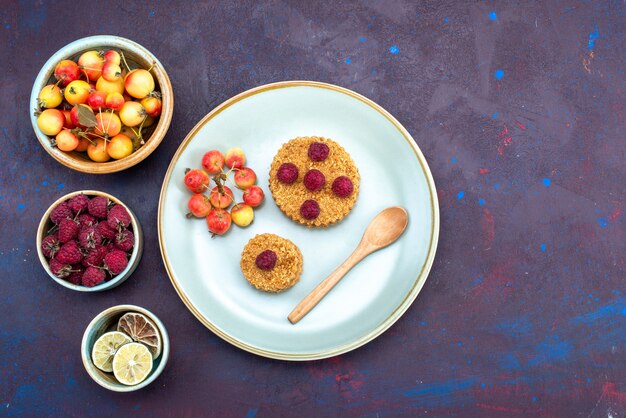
(518, 109)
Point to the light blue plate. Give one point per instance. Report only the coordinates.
(205, 272)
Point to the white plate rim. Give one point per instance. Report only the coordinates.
(398, 311)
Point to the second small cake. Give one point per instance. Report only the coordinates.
(271, 263)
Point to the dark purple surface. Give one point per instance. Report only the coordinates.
(524, 311)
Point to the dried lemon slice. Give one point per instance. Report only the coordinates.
(105, 348)
(141, 330)
(132, 364)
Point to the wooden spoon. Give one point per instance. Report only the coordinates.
(384, 229)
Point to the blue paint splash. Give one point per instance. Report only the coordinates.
(444, 393)
(603, 222)
(543, 248)
(394, 49)
(496, 186)
(493, 15)
(509, 361)
(362, 39)
(550, 351)
(445, 19)
(152, 13)
(453, 160)
(495, 115)
(499, 74)
(252, 412)
(348, 60)
(593, 37)
(546, 182)
(481, 202)
(60, 186)
(21, 207)
(460, 195)
(603, 314)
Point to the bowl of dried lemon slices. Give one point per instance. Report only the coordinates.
(125, 348)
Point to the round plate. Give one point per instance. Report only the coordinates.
(371, 297)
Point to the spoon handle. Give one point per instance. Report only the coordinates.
(317, 294)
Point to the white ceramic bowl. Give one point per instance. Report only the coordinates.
(107, 321)
(45, 224)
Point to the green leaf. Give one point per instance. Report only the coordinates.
(86, 117)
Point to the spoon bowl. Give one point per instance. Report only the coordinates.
(386, 227)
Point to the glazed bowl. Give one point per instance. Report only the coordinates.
(136, 55)
(106, 321)
(46, 225)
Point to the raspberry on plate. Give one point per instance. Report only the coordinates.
(287, 173)
(314, 180)
(342, 186)
(266, 260)
(310, 209)
(318, 151)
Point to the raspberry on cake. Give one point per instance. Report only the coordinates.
(327, 191)
(271, 263)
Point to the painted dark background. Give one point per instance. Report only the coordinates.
(519, 109)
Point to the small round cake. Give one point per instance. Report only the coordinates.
(314, 181)
(271, 263)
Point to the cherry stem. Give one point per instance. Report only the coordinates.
(124, 59)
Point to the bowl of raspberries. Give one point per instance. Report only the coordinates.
(89, 241)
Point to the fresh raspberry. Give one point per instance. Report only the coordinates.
(93, 276)
(69, 253)
(266, 260)
(105, 230)
(95, 257)
(118, 217)
(287, 173)
(318, 151)
(310, 209)
(97, 207)
(115, 261)
(342, 186)
(314, 180)
(125, 240)
(59, 269)
(78, 203)
(68, 230)
(50, 245)
(89, 237)
(76, 275)
(85, 219)
(62, 211)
